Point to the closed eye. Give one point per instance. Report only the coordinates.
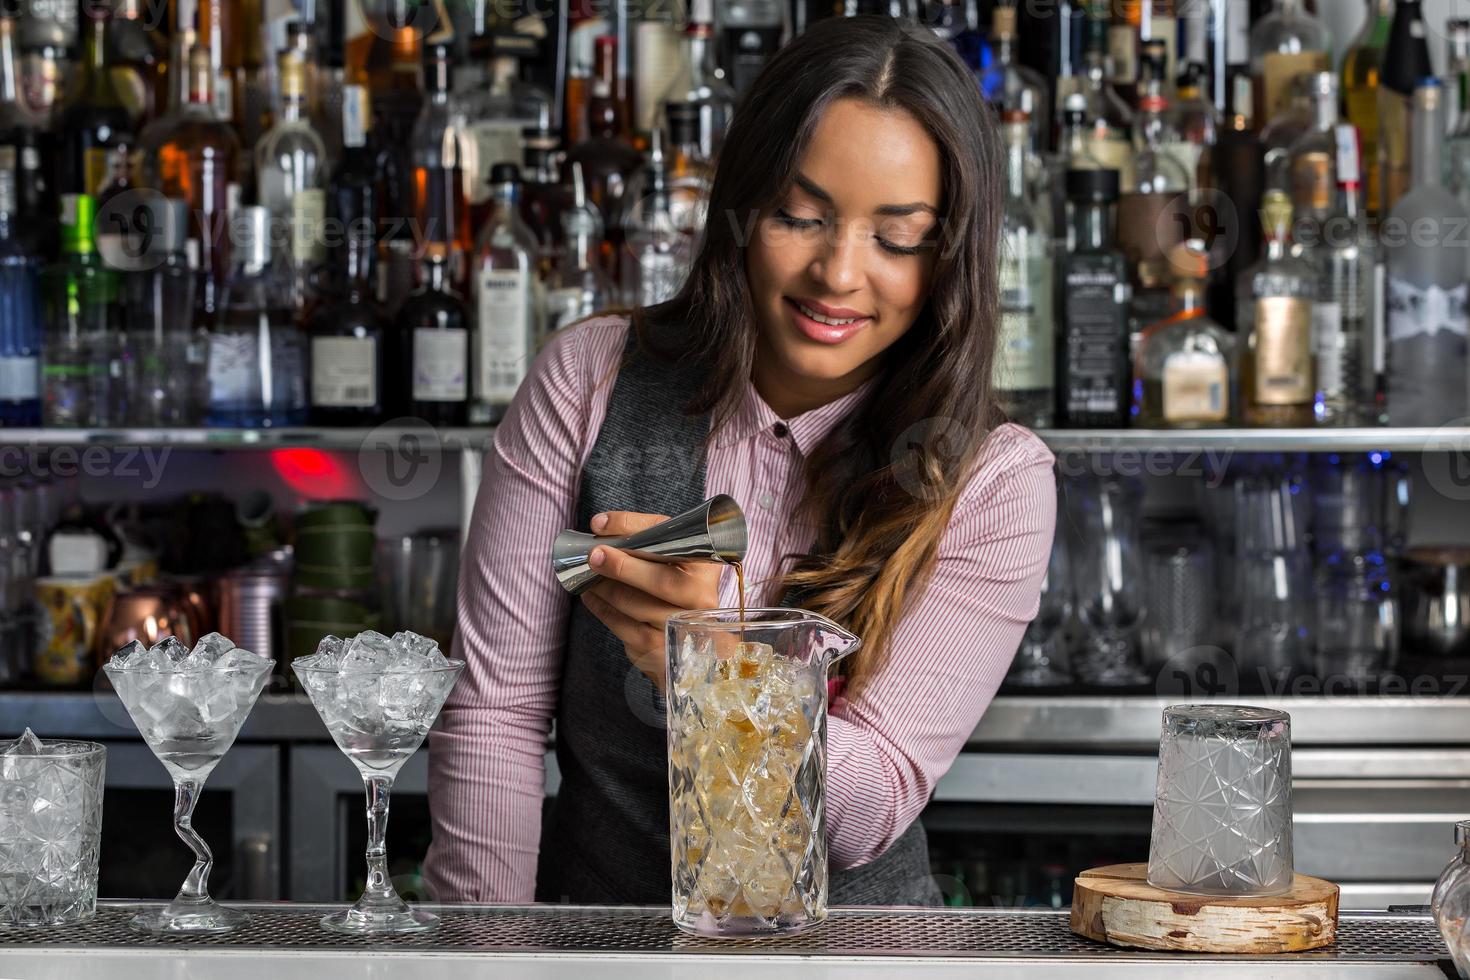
(791, 221)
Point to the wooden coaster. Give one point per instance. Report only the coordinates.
(1117, 905)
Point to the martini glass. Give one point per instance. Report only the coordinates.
(378, 699)
(189, 706)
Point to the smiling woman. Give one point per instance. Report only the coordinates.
(827, 364)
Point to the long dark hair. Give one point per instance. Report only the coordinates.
(882, 486)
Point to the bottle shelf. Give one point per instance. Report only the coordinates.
(423, 438)
(413, 438)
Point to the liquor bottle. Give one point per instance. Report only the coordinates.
(1457, 50)
(354, 193)
(1153, 214)
(1157, 23)
(177, 83)
(699, 82)
(439, 155)
(1285, 43)
(657, 46)
(1198, 124)
(1426, 288)
(1344, 258)
(691, 172)
(435, 327)
(1313, 160)
(1281, 133)
(1186, 360)
(750, 32)
(496, 108)
(20, 317)
(83, 321)
(347, 335)
(1110, 117)
(1361, 71)
(290, 170)
(198, 163)
(253, 108)
(1457, 143)
(1025, 360)
(608, 160)
(257, 354)
(222, 27)
(167, 376)
(96, 120)
(957, 23)
(1405, 63)
(1123, 34)
(1010, 86)
(301, 43)
(332, 76)
(139, 53)
(658, 252)
(507, 327)
(1277, 383)
(1094, 371)
(577, 287)
(393, 77)
(543, 194)
(1241, 170)
(26, 150)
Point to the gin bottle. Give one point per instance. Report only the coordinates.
(504, 276)
(1275, 309)
(1285, 43)
(1025, 371)
(1426, 315)
(290, 170)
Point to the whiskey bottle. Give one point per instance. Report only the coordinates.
(1277, 377)
(1361, 72)
(1094, 373)
(1186, 360)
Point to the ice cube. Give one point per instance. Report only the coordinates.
(329, 652)
(407, 644)
(173, 648)
(218, 703)
(212, 647)
(27, 744)
(132, 655)
(369, 650)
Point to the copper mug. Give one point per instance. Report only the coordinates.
(148, 613)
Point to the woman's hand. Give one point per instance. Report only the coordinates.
(636, 597)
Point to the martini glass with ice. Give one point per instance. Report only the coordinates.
(189, 706)
(378, 697)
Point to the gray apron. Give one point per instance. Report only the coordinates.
(607, 839)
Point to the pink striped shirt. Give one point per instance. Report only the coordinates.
(886, 748)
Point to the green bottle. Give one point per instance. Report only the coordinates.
(82, 383)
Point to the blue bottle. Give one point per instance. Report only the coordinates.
(20, 318)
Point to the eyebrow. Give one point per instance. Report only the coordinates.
(896, 210)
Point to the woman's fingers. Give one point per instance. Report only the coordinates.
(643, 643)
(692, 586)
(619, 523)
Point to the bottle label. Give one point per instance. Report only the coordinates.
(1113, 152)
(1278, 70)
(96, 169)
(344, 372)
(1196, 387)
(1380, 320)
(1188, 156)
(491, 141)
(1328, 345)
(1123, 52)
(224, 95)
(1415, 310)
(504, 306)
(1348, 170)
(20, 379)
(8, 158)
(1312, 183)
(1097, 344)
(354, 126)
(1283, 351)
(308, 212)
(234, 370)
(1024, 359)
(440, 365)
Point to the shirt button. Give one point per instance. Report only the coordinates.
(767, 501)
(780, 430)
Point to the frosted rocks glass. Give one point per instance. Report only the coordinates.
(50, 830)
(1222, 810)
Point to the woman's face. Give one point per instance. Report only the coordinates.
(841, 267)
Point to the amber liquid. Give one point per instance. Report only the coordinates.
(740, 584)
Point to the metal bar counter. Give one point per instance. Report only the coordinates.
(285, 942)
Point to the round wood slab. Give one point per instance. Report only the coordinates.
(1117, 905)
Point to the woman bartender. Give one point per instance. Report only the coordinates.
(827, 364)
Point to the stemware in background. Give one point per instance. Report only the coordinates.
(1042, 660)
(1357, 623)
(1181, 642)
(378, 698)
(189, 706)
(1108, 572)
(1274, 643)
(1360, 506)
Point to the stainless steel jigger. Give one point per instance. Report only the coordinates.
(713, 532)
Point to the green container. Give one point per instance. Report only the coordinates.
(335, 546)
(308, 618)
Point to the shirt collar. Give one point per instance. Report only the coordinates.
(753, 416)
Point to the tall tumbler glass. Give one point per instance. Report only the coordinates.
(1109, 579)
(1222, 809)
(1042, 659)
(1181, 636)
(747, 719)
(50, 830)
(1273, 575)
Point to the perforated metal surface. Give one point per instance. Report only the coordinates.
(611, 931)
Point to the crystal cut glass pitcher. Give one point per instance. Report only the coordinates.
(747, 713)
